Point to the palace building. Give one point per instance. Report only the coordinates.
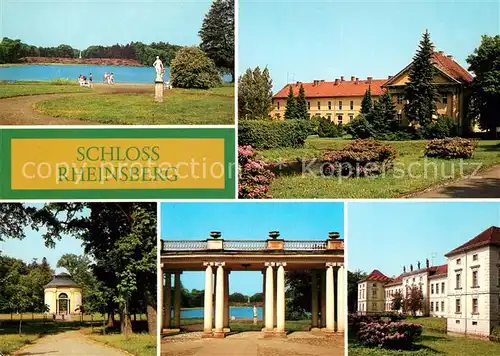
(340, 100)
(465, 290)
(63, 296)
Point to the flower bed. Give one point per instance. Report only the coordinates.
(254, 177)
(393, 335)
(451, 148)
(360, 158)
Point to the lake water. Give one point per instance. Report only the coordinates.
(123, 74)
(237, 312)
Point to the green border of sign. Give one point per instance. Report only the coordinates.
(228, 134)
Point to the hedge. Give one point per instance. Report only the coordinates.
(266, 134)
(450, 148)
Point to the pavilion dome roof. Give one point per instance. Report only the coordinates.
(62, 280)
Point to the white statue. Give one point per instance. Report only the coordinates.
(158, 64)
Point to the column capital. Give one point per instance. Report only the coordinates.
(269, 264)
(281, 264)
(220, 264)
(214, 264)
(334, 264)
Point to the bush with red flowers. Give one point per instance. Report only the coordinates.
(448, 148)
(360, 158)
(254, 177)
(393, 335)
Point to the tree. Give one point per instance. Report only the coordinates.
(238, 298)
(302, 111)
(359, 127)
(367, 102)
(298, 294)
(192, 68)
(485, 86)
(291, 105)
(352, 289)
(257, 298)
(383, 115)
(397, 301)
(413, 302)
(420, 91)
(14, 217)
(217, 35)
(255, 94)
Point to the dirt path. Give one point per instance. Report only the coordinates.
(485, 185)
(252, 343)
(67, 344)
(19, 110)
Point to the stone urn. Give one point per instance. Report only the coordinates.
(274, 234)
(215, 234)
(333, 235)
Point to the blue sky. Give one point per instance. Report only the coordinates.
(304, 41)
(386, 236)
(84, 23)
(248, 221)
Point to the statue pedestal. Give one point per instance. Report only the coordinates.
(159, 91)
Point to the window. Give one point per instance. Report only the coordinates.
(340, 105)
(329, 117)
(474, 279)
(374, 306)
(432, 306)
(474, 323)
(351, 117)
(400, 99)
(474, 257)
(374, 292)
(457, 321)
(442, 306)
(458, 281)
(352, 105)
(442, 287)
(475, 308)
(432, 288)
(399, 118)
(457, 306)
(413, 280)
(374, 285)
(329, 105)
(319, 105)
(278, 105)
(437, 306)
(308, 105)
(339, 119)
(459, 261)
(444, 99)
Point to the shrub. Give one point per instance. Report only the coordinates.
(360, 158)
(327, 128)
(191, 68)
(451, 148)
(442, 127)
(359, 127)
(254, 177)
(394, 335)
(265, 134)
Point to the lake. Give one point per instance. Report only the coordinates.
(123, 74)
(237, 312)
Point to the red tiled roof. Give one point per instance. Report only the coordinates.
(396, 281)
(376, 275)
(322, 89)
(490, 236)
(439, 271)
(450, 67)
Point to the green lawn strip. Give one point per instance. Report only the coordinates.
(410, 154)
(33, 88)
(137, 344)
(178, 108)
(12, 342)
(433, 343)
(429, 322)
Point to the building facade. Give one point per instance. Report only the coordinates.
(465, 290)
(62, 295)
(340, 100)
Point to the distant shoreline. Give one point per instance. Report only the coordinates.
(75, 61)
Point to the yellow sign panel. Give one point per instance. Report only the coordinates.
(118, 163)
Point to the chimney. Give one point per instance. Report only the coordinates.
(336, 81)
(357, 80)
(411, 268)
(441, 52)
(450, 56)
(352, 78)
(342, 78)
(433, 48)
(389, 77)
(369, 79)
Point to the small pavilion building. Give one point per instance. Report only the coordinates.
(63, 296)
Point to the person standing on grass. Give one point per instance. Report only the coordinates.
(90, 80)
(111, 78)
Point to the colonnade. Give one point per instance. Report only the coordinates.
(216, 320)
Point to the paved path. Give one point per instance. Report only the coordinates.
(19, 110)
(252, 343)
(70, 343)
(485, 185)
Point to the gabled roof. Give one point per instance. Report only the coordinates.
(322, 89)
(490, 236)
(438, 271)
(446, 65)
(395, 281)
(376, 276)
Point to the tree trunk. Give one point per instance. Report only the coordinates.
(92, 323)
(135, 317)
(152, 316)
(125, 321)
(111, 316)
(20, 324)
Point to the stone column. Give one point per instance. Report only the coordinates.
(280, 297)
(275, 307)
(330, 299)
(269, 298)
(207, 304)
(314, 299)
(177, 301)
(161, 312)
(219, 301)
(168, 301)
(264, 295)
(340, 300)
(323, 299)
(226, 300)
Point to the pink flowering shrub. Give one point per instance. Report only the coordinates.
(254, 177)
(394, 335)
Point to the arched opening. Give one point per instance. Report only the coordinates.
(63, 304)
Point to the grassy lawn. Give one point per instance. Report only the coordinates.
(435, 344)
(180, 107)
(412, 173)
(429, 322)
(37, 88)
(136, 344)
